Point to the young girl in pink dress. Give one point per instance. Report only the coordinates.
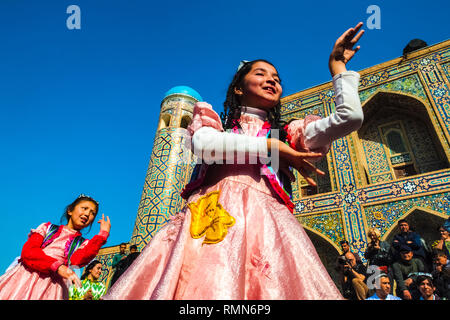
(237, 237)
(43, 271)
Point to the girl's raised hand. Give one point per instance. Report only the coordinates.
(105, 225)
(343, 49)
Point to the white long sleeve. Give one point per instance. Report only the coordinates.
(212, 145)
(347, 118)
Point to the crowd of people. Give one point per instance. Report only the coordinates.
(418, 270)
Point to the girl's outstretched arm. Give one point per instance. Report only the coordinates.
(348, 116)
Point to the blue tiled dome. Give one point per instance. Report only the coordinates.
(184, 90)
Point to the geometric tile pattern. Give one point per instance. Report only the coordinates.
(446, 69)
(331, 222)
(166, 177)
(383, 216)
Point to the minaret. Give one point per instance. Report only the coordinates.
(170, 167)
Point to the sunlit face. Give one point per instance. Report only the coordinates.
(82, 215)
(385, 286)
(96, 271)
(440, 261)
(426, 288)
(351, 258)
(345, 247)
(261, 87)
(444, 233)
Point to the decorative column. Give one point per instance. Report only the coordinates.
(170, 166)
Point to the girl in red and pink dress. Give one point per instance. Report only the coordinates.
(43, 271)
(237, 237)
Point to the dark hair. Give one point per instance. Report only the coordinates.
(72, 206)
(422, 278)
(232, 105)
(133, 247)
(232, 112)
(342, 242)
(89, 267)
(402, 221)
(439, 253)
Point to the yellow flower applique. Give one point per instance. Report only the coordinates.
(209, 219)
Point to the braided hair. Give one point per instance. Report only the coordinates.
(232, 105)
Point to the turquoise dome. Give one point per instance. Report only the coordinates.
(184, 90)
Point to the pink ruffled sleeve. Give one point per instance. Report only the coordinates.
(296, 135)
(204, 116)
(41, 229)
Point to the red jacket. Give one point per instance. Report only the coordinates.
(35, 258)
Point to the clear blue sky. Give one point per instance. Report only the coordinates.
(79, 107)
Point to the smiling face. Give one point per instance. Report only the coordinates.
(426, 288)
(82, 215)
(260, 87)
(96, 271)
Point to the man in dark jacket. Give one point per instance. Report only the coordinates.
(123, 265)
(406, 237)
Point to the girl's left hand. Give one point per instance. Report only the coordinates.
(289, 157)
(343, 49)
(105, 225)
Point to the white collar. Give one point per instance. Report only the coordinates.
(255, 112)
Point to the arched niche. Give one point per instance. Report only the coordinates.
(164, 121)
(390, 115)
(185, 121)
(327, 251)
(421, 220)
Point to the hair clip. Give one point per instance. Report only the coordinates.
(86, 196)
(242, 63)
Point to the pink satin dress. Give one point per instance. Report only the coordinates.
(254, 247)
